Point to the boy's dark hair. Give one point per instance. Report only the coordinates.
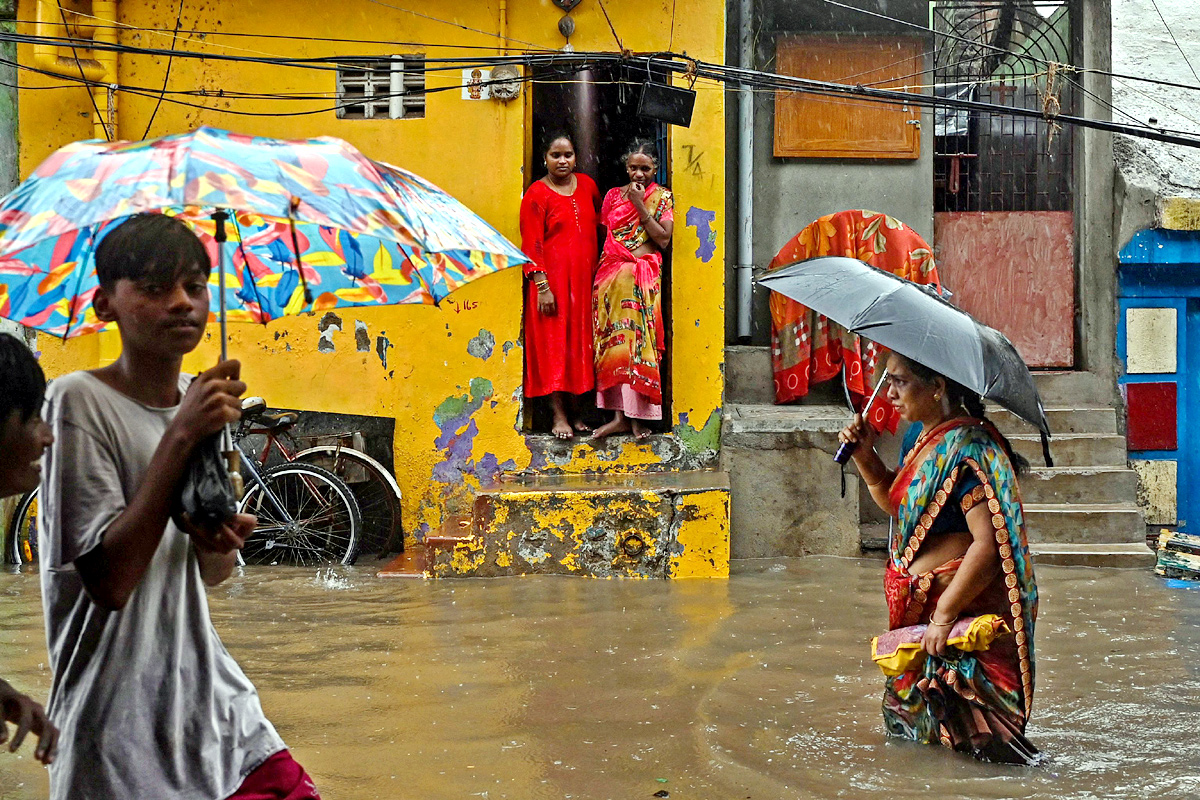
(152, 246)
(22, 382)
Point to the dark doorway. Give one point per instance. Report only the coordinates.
(597, 104)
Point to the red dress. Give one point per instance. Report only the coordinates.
(559, 234)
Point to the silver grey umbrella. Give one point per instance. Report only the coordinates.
(915, 322)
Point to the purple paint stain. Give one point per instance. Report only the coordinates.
(702, 220)
(458, 446)
(455, 419)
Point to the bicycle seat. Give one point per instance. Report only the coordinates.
(277, 422)
(253, 405)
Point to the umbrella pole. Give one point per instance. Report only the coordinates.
(846, 450)
(228, 450)
(219, 216)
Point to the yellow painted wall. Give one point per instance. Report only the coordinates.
(476, 150)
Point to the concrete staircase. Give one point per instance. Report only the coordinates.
(1081, 511)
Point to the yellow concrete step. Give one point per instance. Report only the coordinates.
(646, 525)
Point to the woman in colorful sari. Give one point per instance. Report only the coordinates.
(558, 231)
(959, 562)
(639, 217)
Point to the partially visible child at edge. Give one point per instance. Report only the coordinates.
(149, 702)
(23, 437)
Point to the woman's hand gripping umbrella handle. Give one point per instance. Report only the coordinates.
(847, 449)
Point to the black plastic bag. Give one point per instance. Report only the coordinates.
(207, 495)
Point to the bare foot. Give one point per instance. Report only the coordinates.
(618, 425)
(562, 428)
(580, 426)
(640, 432)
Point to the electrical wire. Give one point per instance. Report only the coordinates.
(787, 83)
(79, 64)
(167, 74)
(455, 24)
(1092, 70)
(1019, 56)
(608, 19)
(666, 60)
(1171, 33)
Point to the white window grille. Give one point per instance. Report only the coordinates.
(390, 88)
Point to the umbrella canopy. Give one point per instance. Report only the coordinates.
(366, 233)
(915, 322)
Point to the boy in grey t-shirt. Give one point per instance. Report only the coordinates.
(149, 702)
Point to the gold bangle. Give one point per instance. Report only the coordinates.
(941, 624)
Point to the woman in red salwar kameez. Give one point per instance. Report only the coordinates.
(558, 231)
(639, 217)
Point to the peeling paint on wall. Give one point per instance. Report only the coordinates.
(454, 418)
(508, 346)
(702, 220)
(482, 345)
(381, 347)
(330, 323)
(702, 440)
(362, 340)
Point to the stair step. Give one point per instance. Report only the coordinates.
(409, 564)
(1074, 449)
(1062, 419)
(766, 418)
(1084, 523)
(658, 524)
(608, 483)
(1111, 554)
(1067, 388)
(1128, 555)
(1079, 484)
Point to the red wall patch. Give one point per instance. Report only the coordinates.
(1152, 411)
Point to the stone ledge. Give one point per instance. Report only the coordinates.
(1134, 555)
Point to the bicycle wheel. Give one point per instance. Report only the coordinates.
(320, 522)
(22, 532)
(374, 488)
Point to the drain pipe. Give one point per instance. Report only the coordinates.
(503, 27)
(63, 60)
(745, 254)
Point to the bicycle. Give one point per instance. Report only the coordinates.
(308, 513)
(21, 544)
(378, 495)
(306, 516)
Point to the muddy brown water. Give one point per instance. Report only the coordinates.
(756, 687)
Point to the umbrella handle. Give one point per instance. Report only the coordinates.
(847, 449)
(844, 452)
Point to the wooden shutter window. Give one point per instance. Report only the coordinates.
(817, 126)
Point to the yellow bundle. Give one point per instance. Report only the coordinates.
(899, 651)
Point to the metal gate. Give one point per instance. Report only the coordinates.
(1011, 53)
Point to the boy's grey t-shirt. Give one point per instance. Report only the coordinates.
(149, 702)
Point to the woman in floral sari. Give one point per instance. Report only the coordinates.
(630, 345)
(959, 563)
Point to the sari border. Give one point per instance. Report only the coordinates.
(1018, 602)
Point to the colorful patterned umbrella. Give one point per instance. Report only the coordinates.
(367, 233)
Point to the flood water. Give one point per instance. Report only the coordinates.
(758, 687)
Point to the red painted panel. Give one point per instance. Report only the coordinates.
(1152, 412)
(1015, 271)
